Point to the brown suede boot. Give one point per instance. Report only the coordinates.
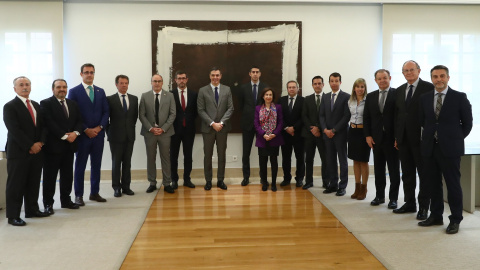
(357, 190)
(363, 192)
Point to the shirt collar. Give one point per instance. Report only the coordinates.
(86, 85)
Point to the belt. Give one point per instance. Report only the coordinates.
(352, 125)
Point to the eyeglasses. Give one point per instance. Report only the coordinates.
(154, 81)
(89, 72)
(409, 70)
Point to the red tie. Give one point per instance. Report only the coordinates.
(31, 111)
(183, 107)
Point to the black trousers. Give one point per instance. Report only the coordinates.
(385, 154)
(337, 147)
(296, 144)
(55, 162)
(263, 160)
(187, 139)
(247, 141)
(312, 144)
(121, 164)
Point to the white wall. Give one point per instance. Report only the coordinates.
(116, 38)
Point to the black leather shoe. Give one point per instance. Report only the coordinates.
(299, 183)
(430, 221)
(245, 182)
(129, 192)
(208, 186)
(392, 205)
(151, 188)
(307, 186)
(175, 184)
(422, 214)
(117, 193)
(70, 205)
(221, 185)
(265, 186)
(330, 190)
(37, 213)
(188, 184)
(79, 201)
(453, 228)
(324, 186)
(274, 187)
(377, 201)
(49, 209)
(97, 198)
(16, 222)
(405, 209)
(285, 183)
(169, 189)
(340, 192)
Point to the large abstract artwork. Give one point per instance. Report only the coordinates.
(234, 47)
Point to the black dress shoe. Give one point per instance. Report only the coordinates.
(208, 185)
(330, 190)
(97, 198)
(453, 228)
(285, 183)
(70, 205)
(430, 221)
(169, 189)
(37, 213)
(128, 192)
(49, 209)
(324, 186)
(79, 201)
(16, 222)
(405, 209)
(392, 205)
(340, 192)
(299, 183)
(221, 185)
(265, 186)
(245, 182)
(377, 201)
(307, 186)
(117, 193)
(189, 184)
(151, 188)
(422, 214)
(175, 184)
(274, 187)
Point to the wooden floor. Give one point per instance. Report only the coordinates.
(244, 228)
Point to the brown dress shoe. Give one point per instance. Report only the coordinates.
(97, 197)
(79, 201)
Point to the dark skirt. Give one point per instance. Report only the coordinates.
(358, 148)
(268, 151)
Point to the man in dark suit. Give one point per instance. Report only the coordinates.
(184, 125)
(215, 107)
(157, 114)
(312, 133)
(64, 125)
(93, 105)
(407, 139)
(121, 135)
(334, 116)
(292, 105)
(248, 98)
(378, 127)
(446, 118)
(26, 136)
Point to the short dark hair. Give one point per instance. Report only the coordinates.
(215, 69)
(439, 67)
(335, 75)
(58, 80)
(121, 77)
(180, 72)
(317, 77)
(264, 91)
(416, 64)
(296, 83)
(380, 71)
(86, 65)
(254, 66)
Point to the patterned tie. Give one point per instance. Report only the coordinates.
(124, 104)
(409, 95)
(438, 108)
(290, 105)
(254, 94)
(157, 107)
(382, 100)
(183, 107)
(91, 94)
(64, 108)
(216, 95)
(318, 102)
(332, 102)
(31, 111)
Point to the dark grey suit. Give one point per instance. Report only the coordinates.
(211, 112)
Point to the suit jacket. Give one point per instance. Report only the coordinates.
(454, 123)
(166, 112)
(375, 122)
(93, 114)
(293, 118)
(278, 140)
(22, 132)
(209, 111)
(121, 127)
(247, 104)
(189, 114)
(58, 124)
(406, 119)
(310, 116)
(338, 117)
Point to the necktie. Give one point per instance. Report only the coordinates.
(290, 105)
(254, 94)
(332, 102)
(318, 102)
(438, 108)
(382, 100)
(157, 107)
(124, 104)
(183, 107)
(64, 108)
(91, 94)
(409, 95)
(31, 111)
(216, 95)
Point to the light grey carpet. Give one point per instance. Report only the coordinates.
(396, 240)
(96, 236)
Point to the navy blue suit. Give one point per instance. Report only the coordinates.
(93, 115)
(442, 155)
